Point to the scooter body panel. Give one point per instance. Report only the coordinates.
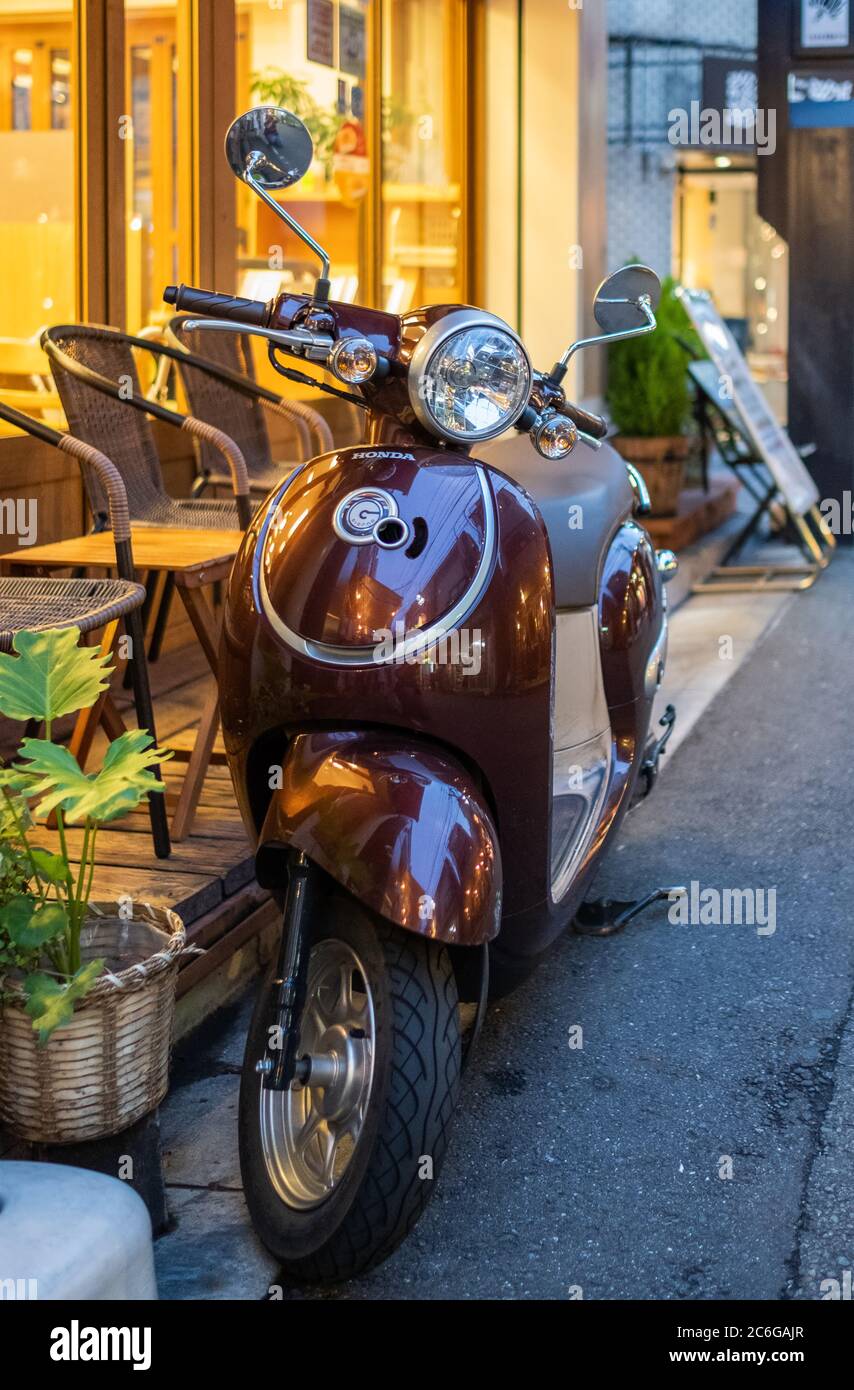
(401, 826)
(300, 655)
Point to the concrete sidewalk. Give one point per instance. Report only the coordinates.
(708, 1050)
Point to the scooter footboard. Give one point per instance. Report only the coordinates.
(398, 823)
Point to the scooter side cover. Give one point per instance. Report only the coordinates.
(400, 825)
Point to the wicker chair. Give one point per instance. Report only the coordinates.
(88, 604)
(217, 376)
(97, 381)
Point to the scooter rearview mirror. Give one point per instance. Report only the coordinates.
(269, 148)
(624, 307)
(616, 306)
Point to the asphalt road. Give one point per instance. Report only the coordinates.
(599, 1169)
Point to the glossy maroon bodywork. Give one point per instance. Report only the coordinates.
(400, 826)
(494, 720)
(328, 589)
(631, 607)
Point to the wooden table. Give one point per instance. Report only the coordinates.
(193, 558)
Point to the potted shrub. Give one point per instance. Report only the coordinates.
(87, 989)
(649, 400)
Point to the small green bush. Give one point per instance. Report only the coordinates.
(648, 391)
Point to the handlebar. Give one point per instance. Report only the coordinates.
(584, 422)
(188, 299)
(235, 310)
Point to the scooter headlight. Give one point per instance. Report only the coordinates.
(470, 377)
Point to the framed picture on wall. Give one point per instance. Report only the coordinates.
(351, 41)
(823, 26)
(320, 32)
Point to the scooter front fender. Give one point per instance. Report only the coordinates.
(398, 823)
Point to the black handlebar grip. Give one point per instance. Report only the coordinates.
(588, 424)
(222, 306)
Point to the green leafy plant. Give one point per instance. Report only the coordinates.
(273, 87)
(44, 895)
(648, 392)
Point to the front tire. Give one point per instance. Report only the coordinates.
(335, 1176)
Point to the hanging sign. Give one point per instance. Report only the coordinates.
(767, 436)
(822, 26)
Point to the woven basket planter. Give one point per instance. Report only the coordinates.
(662, 464)
(109, 1065)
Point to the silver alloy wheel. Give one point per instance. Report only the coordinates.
(309, 1133)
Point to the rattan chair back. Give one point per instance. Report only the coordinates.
(108, 408)
(239, 415)
(107, 424)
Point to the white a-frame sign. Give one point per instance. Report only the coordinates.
(764, 434)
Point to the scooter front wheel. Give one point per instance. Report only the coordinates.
(336, 1172)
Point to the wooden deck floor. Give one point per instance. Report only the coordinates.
(209, 878)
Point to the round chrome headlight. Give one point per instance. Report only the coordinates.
(470, 377)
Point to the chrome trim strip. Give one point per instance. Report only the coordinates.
(642, 503)
(411, 645)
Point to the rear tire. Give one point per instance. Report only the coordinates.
(405, 1081)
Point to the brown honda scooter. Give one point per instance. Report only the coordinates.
(439, 660)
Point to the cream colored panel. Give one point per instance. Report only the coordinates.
(580, 710)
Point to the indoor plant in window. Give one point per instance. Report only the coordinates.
(273, 87)
(87, 989)
(650, 401)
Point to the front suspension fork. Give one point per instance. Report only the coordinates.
(280, 1064)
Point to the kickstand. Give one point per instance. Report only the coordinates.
(605, 916)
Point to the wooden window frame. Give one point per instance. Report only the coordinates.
(99, 174)
(206, 223)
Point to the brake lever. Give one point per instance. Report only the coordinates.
(591, 440)
(313, 347)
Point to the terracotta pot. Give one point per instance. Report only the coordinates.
(662, 463)
(109, 1065)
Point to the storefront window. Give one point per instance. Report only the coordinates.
(422, 135)
(151, 172)
(310, 56)
(37, 272)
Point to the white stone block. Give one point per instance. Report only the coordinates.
(68, 1233)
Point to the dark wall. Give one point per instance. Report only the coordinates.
(806, 191)
(821, 322)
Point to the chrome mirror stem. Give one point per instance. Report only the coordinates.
(284, 216)
(644, 303)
